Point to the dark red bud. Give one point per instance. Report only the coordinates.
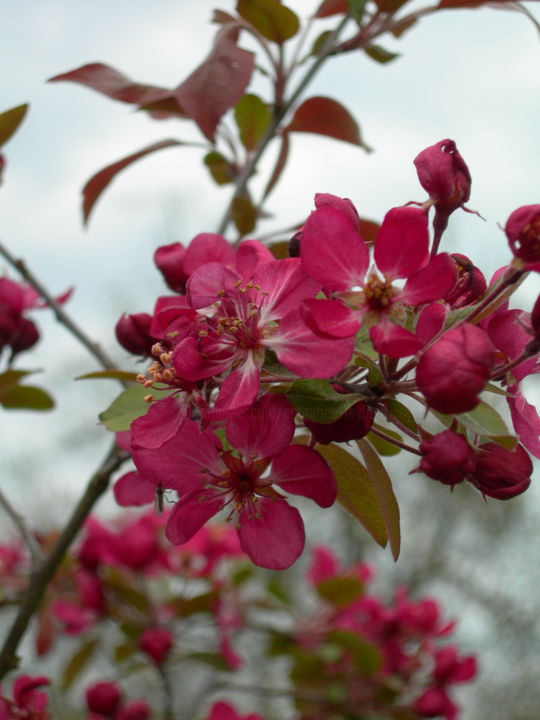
(157, 644)
(26, 335)
(444, 175)
(353, 425)
(294, 244)
(103, 698)
(134, 710)
(523, 232)
(447, 457)
(501, 473)
(470, 285)
(132, 332)
(169, 260)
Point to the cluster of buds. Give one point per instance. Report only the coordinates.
(258, 363)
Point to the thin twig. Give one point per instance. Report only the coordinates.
(42, 575)
(104, 360)
(28, 537)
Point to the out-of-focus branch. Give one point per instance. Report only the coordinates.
(104, 360)
(45, 570)
(26, 534)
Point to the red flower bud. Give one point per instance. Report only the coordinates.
(134, 710)
(103, 698)
(501, 473)
(444, 175)
(132, 332)
(447, 457)
(523, 233)
(470, 284)
(453, 371)
(157, 644)
(355, 423)
(170, 262)
(25, 336)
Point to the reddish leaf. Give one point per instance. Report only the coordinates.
(166, 107)
(110, 82)
(10, 121)
(270, 18)
(331, 7)
(217, 84)
(97, 184)
(280, 165)
(220, 17)
(325, 116)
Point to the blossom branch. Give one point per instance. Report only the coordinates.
(104, 360)
(44, 572)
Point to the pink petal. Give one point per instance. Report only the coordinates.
(249, 255)
(285, 284)
(525, 420)
(302, 471)
(307, 353)
(273, 538)
(343, 204)
(133, 489)
(209, 283)
(430, 322)
(237, 392)
(190, 514)
(332, 250)
(393, 340)
(194, 361)
(160, 423)
(430, 283)
(323, 566)
(402, 243)
(264, 430)
(330, 317)
(179, 462)
(205, 248)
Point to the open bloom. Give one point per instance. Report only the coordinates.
(210, 478)
(334, 253)
(238, 321)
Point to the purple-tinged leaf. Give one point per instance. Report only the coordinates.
(218, 83)
(10, 121)
(331, 7)
(324, 116)
(270, 18)
(108, 81)
(97, 184)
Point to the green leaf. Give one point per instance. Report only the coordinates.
(26, 397)
(341, 591)
(319, 42)
(122, 375)
(356, 8)
(252, 117)
(374, 374)
(11, 377)
(275, 588)
(127, 406)
(365, 656)
(10, 121)
(126, 593)
(382, 446)
(270, 18)
(214, 660)
(402, 413)
(484, 420)
(205, 603)
(123, 652)
(355, 491)
(219, 167)
(382, 486)
(380, 55)
(318, 401)
(244, 214)
(78, 662)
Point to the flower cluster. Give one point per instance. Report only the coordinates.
(257, 363)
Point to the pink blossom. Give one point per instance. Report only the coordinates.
(210, 478)
(523, 232)
(157, 643)
(224, 711)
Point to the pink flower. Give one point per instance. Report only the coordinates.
(454, 370)
(157, 643)
(334, 254)
(28, 703)
(103, 698)
(523, 232)
(471, 283)
(224, 711)
(241, 320)
(134, 710)
(210, 478)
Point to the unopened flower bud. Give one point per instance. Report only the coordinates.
(453, 371)
(25, 336)
(169, 260)
(103, 698)
(501, 473)
(444, 175)
(447, 457)
(157, 644)
(523, 232)
(294, 244)
(132, 332)
(134, 710)
(470, 284)
(355, 423)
